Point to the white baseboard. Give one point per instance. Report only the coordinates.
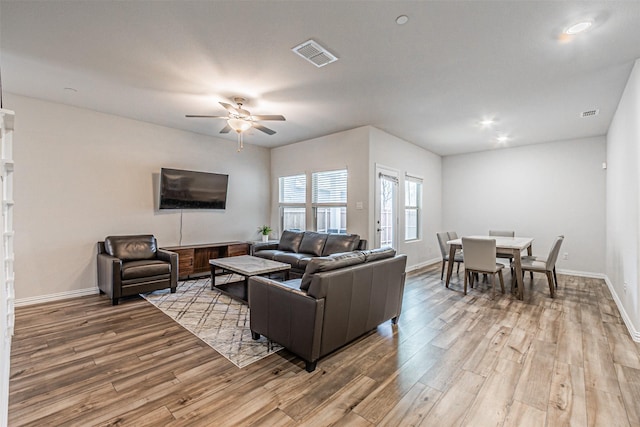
(56, 297)
(582, 274)
(426, 263)
(635, 334)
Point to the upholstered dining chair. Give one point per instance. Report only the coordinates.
(443, 238)
(480, 257)
(535, 264)
(503, 233)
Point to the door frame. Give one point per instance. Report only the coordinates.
(393, 175)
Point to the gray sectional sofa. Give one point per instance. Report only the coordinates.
(299, 247)
(339, 298)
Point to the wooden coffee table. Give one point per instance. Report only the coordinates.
(246, 266)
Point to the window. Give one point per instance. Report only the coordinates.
(292, 198)
(412, 192)
(329, 201)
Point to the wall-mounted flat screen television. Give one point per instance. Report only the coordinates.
(183, 189)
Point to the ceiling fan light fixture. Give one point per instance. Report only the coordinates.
(239, 125)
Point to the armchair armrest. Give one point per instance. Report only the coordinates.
(109, 275)
(287, 316)
(172, 258)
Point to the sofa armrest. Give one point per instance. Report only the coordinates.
(109, 275)
(287, 316)
(172, 258)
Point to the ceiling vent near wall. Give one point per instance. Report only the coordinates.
(590, 113)
(314, 53)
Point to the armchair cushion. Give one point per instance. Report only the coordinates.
(337, 243)
(144, 268)
(290, 241)
(128, 248)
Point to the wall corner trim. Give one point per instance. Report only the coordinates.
(635, 334)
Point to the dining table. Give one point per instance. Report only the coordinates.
(505, 246)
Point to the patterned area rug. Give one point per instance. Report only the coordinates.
(215, 318)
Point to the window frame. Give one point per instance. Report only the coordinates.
(417, 208)
(342, 203)
(283, 205)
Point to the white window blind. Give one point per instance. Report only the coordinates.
(293, 189)
(329, 187)
(412, 207)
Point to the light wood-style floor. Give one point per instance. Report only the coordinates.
(481, 360)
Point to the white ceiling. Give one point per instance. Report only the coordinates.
(429, 81)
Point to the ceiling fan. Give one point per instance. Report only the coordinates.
(241, 120)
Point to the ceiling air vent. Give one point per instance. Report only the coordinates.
(314, 53)
(589, 113)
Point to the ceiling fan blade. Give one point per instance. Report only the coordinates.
(230, 108)
(207, 117)
(269, 117)
(264, 129)
(226, 129)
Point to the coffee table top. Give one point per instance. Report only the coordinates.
(249, 265)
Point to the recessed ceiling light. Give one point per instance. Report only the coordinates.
(502, 139)
(487, 123)
(402, 19)
(578, 28)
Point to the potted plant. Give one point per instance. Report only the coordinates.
(265, 230)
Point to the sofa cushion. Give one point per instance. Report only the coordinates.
(332, 262)
(337, 243)
(290, 258)
(313, 243)
(144, 268)
(290, 241)
(378, 254)
(267, 253)
(128, 248)
(304, 261)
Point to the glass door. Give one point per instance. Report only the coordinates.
(386, 208)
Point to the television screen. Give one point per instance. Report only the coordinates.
(182, 189)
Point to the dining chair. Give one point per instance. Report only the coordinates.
(480, 257)
(546, 266)
(504, 233)
(443, 238)
(543, 259)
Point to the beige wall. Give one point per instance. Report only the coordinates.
(540, 191)
(406, 158)
(82, 175)
(623, 203)
(341, 150)
(359, 150)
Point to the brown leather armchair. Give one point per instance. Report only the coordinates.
(130, 265)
